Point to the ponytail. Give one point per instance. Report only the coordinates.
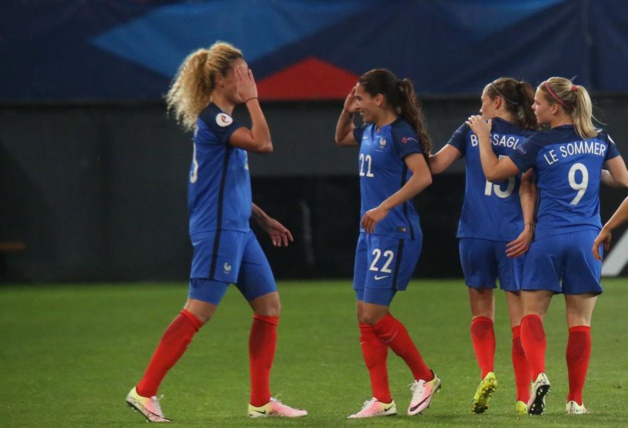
(518, 97)
(574, 100)
(411, 111)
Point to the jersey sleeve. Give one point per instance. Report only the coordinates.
(459, 138)
(220, 124)
(612, 151)
(524, 156)
(406, 141)
(357, 133)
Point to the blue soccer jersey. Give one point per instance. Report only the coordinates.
(383, 172)
(490, 211)
(219, 189)
(568, 170)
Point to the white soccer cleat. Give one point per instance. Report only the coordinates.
(147, 406)
(275, 408)
(422, 393)
(574, 408)
(540, 388)
(375, 408)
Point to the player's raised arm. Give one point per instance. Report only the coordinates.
(345, 125)
(495, 169)
(257, 139)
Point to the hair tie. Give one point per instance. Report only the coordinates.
(561, 102)
(501, 94)
(574, 88)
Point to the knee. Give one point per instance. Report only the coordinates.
(201, 310)
(273, 310)
(268, 307)
(368, 318)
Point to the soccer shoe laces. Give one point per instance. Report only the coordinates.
(156, 404)
(368, 403)
(417, 386)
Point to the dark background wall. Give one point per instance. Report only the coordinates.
(93, 174)
(99, 192)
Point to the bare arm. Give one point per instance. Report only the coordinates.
(257, 139)
(345, 125)
(443, 159)
(528, 194)
(494, 169)
(278, 233)
(420, 179)
(604, 237)
(617, 175)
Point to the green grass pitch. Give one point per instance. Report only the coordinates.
(70, 353)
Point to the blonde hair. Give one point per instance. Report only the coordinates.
(192, 87)
(575, 100)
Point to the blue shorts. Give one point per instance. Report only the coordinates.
(239, 259)
(383, 266)
(484, 261)
(563, 264)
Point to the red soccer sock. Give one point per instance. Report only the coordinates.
(578, 354)
(375, 353)
(483, 337)
(172, 345)
(390, 331)
(262, 346)
(534, 343)
(520, 365)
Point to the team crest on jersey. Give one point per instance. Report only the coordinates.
(223, 119)
(227, 268)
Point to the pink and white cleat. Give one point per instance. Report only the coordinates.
(422, 393)
(148, 406)
(573, 408)
(374, 408)
(275, 408)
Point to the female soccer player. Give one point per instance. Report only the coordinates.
(393, 169)
(567, 159)
(494, 231)
(209, 84)
(604, 237)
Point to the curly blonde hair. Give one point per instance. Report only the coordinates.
(192, 87)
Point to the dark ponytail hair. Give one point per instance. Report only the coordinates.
(518, 97)
(401, 96)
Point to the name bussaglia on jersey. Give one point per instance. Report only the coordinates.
(511, 141)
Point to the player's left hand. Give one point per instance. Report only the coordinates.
(603, 238)
(246, 88)
(520, 246)
(279, 234)
(372, 217)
